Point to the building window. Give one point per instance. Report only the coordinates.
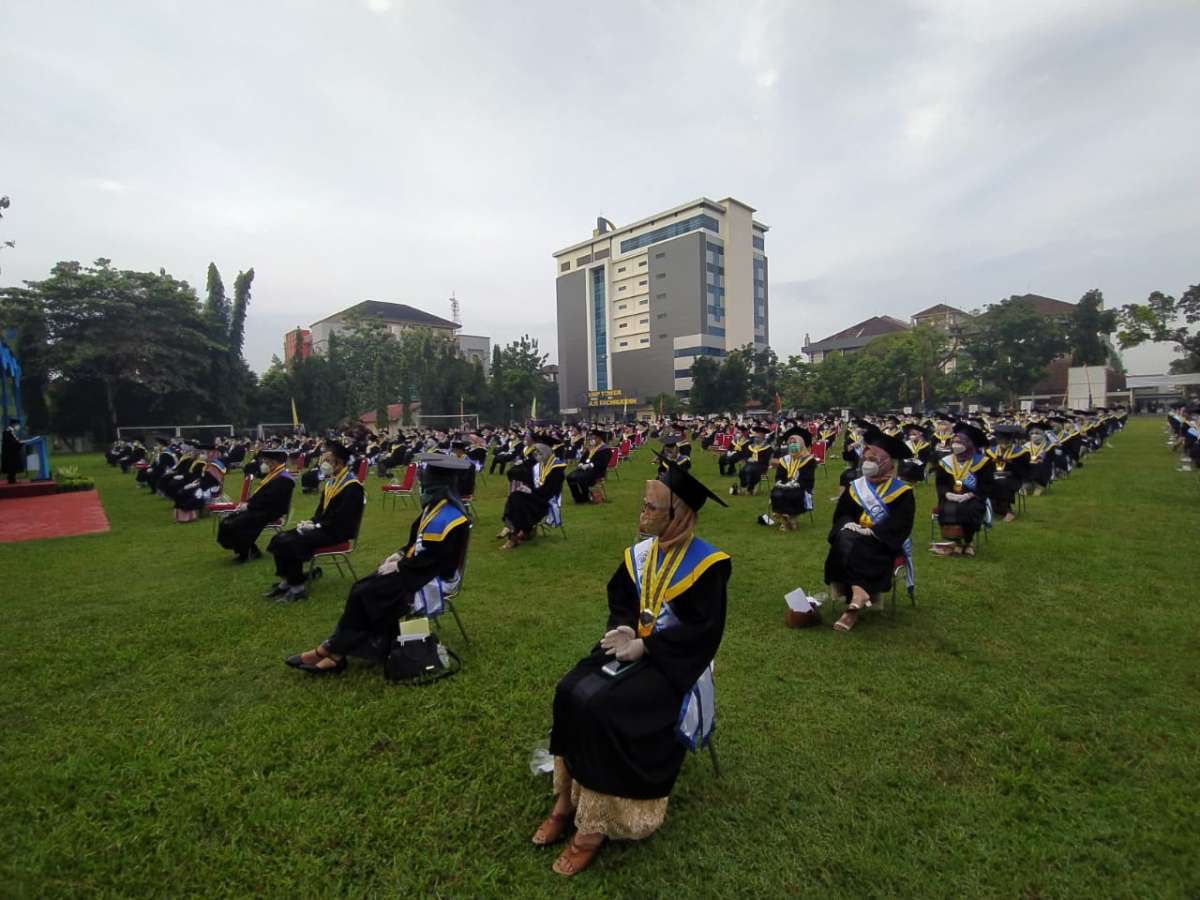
(644, 341)
(623, 325)
(661, 316)
(643, 301)
(662, 296)
(675, 229)
(583, 260)
(602, 253)
(621, 288)
(659, 255)
(661, 275)
(565, 267)
(620, 268)
(624, 343)
(642, 283)
(644, 321)
(759, 243)
(662, 337)
(641, 262)
(700, 351)
(600, 328)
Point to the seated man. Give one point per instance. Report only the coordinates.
(872, 524)
(673, 454)
(1040, 467)
(795, 473)
(758, 457)
(964, 484)
(466, 477)
(335, 521)
(530, 501)
(592, 467)
(376, 604)
(616, 749)
(270, 500)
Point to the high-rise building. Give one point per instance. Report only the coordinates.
(637, 305)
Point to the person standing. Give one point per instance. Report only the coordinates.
(11, 462)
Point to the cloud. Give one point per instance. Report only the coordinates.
(768, 78)
(108, 185)
(379, 6)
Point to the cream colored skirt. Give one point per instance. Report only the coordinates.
(619, 818)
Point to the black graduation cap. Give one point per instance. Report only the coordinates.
(338, 449)
(165, 442)
(205, 447)
(443, 462)
(278, 454)
(670, 440)
(458, 445)
(803, 433)
(978, 438)
(600, 433)
(888, 443)
(1008, 430)
(761, 429)
(681, 483)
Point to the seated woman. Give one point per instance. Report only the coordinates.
(872, 524)
(616, 750)
(377, 603)
(672, 452)
(1011, 460)
(529, 502)
(795, 472)
(737, 452)
(1040, 469)
(914, 466)
(271, 499)
(964, 484)
(592, 468)
(208, 480)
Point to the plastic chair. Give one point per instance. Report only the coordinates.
(698, 717)
(404, 489)
(614, 462)
(338, 553)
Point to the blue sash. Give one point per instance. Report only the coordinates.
(877, 511)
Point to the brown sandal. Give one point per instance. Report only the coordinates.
(553, 829)
(575, 859)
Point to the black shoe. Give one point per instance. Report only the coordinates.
(290, 596)
(254, 552)
(336, 669)
(240, 557)
(276, 591)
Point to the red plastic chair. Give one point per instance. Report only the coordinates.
(338, 553)
(360, 473)
(403, 490)
(623, 450)
(222, 508)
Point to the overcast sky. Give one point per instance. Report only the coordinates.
(903, 154)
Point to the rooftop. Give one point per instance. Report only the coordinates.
(393, 313)
(1047, 306)
(714, 205)
(940, 309)
(859, 335)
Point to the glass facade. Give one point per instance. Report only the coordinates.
(759, 244)
(760, 299)
(700, 351)
(600, 328)
(675, 229)
(714, 287)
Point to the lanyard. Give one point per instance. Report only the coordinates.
(425, 520)
(270, 475)
(958, 472)
(655, 580)
(793, 466)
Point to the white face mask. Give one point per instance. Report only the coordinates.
(264, 467)
(958, 448)
(327, 469)
(870, 468)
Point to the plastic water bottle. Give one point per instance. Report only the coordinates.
(541, 762)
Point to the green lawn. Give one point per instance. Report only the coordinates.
(1031, 729)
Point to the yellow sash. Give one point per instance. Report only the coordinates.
(655, 580)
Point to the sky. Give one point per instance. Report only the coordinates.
(903, 154)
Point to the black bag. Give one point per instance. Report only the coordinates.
(420, 662)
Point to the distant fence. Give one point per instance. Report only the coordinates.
(178, 431)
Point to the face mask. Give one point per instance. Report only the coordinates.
(958, 448)
(793, 448)
(870, 468)
(264, 468)
(326, 469)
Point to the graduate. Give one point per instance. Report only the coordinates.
(1010, 457)
(12, 461)
(672, 452)
(795, 472)
(758, 457)
(737, 453)
(335, 521)
(914, 466)
(592, 468)
(964, 485)
(872, 525)
(270, 499)
(1040, 468)
(616, 748)
(529, 502)
(436, 544)
(208, 482)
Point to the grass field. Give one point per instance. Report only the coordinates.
(1031, 729)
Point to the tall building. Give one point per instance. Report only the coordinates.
(637, 305)
(476, 348)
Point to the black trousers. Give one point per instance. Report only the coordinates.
(292, 550)
(580, 482)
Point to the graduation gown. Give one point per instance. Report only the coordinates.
(968, 514)
(11, 462)
(337, 519)
(866, 560)
(591, 469)
(758, 457)
(376, 604)
(270, 500)
(791, 501)
(196, 496)
(617, 735)
(525, 509)
(1011, 471)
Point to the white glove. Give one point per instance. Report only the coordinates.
(957, 498)
(851, 526)
(241, 507)
(614, 641)
(389, 565)
(304, 526)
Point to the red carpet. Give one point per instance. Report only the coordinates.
(54, 515)
(27, 489)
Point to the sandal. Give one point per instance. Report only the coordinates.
(298, 661)
(575, 859)
(553, 829)
(848, 620)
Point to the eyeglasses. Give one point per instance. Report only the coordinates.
(647, 506)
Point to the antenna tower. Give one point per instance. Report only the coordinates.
(455, 310)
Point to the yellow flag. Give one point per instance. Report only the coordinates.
(295, 416)
(533, 409)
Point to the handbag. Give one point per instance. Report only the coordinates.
(420, 661)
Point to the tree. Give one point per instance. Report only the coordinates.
(4, 204)
(518, 377)
(1090, 324)
(705, 394)
(237, 321)
(131, 335)
(1166, 319)
(733, 381)
(1010, 344)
